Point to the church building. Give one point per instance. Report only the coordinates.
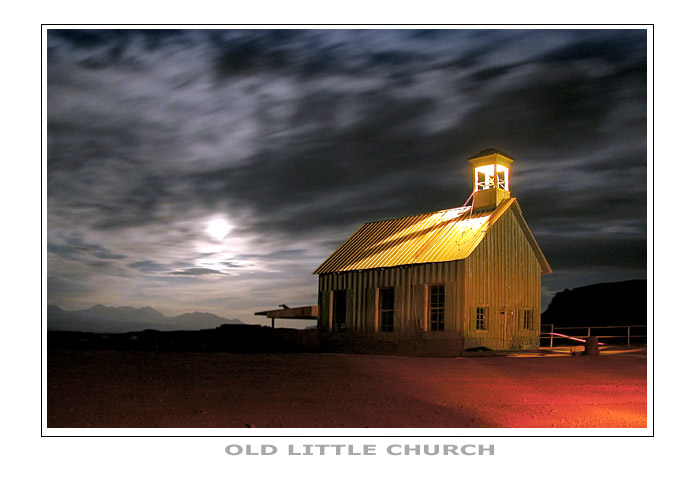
(444, 281)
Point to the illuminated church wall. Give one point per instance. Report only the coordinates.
(502, 276)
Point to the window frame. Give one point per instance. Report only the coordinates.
(481, 318)
(383, 326)
(335, 325)
(438, 309)
(528, 319)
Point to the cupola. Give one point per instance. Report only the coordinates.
(491, 174)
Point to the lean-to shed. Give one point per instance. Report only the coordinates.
(458, 278)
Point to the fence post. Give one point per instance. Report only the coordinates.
(551, 337)
(628, 335)
(589, 331)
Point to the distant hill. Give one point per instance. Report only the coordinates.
(602, 304)
(104, 319)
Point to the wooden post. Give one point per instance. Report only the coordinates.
(551, 337)
(628, 335)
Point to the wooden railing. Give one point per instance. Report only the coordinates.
(550, 332)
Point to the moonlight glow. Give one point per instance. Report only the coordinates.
(219, 229)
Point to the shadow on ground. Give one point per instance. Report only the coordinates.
(174, 389)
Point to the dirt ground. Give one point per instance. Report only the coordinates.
(220, 390)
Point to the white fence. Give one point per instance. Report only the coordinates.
(550, 332)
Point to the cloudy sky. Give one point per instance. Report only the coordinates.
(214, 170)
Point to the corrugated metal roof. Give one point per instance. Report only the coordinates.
(441, 236)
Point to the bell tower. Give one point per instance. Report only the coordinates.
(491, 174)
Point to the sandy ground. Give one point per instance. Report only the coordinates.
(200, 390)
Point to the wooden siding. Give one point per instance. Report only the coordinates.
(409, 283)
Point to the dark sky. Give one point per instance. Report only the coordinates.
(291, 139)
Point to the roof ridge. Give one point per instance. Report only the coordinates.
(416, 215)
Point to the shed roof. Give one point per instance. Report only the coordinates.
(441, 236)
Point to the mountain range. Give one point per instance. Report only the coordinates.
(104, 319)
(601, 304)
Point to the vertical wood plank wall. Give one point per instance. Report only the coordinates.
(502, 272)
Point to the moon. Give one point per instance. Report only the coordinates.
(218, 229)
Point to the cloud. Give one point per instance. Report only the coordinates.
(196, 271)
(296, 137)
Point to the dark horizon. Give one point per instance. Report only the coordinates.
(214, 170)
